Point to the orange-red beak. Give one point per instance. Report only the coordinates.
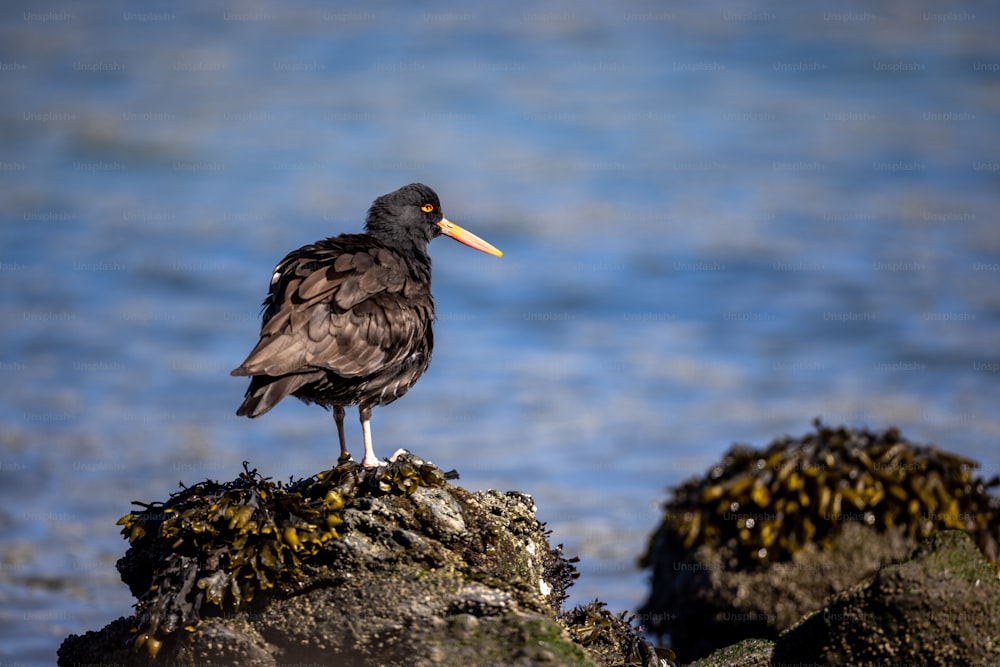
(449, 228)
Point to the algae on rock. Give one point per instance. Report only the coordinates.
(413, 571)
(766, 535)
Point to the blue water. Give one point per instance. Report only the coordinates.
(718, 223)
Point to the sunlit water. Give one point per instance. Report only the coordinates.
(718, 223)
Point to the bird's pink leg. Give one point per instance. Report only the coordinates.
(338, 416)
(369, 461)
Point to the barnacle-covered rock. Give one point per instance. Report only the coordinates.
(349, 567)
(768, 534)
(939, 607)
(747, 653)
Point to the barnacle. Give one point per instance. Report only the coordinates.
(769, 504)
(219, 544)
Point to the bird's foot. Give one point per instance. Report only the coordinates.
(366, 462)
(372, 463)
(375, 463)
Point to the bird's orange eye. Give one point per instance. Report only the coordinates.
(427, 208)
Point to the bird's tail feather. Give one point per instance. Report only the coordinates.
(266, 391)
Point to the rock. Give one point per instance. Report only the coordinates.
(717, 607)
(767, 535)
(414, 572)
(747, 653)
(940, 607)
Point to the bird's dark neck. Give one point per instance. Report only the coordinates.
(405, 244)
(415, 250)
(413, 254)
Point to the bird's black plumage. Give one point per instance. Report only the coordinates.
(347, 320)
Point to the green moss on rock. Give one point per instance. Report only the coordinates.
(747, 653)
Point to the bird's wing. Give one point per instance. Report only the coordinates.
(341, 307)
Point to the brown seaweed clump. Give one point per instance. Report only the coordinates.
(612, 637)
(212, 547)
(763, 506)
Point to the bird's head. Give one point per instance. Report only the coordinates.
(411, 217)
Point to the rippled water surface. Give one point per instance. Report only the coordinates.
(718, 223)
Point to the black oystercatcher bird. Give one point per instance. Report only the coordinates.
(347, 320)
